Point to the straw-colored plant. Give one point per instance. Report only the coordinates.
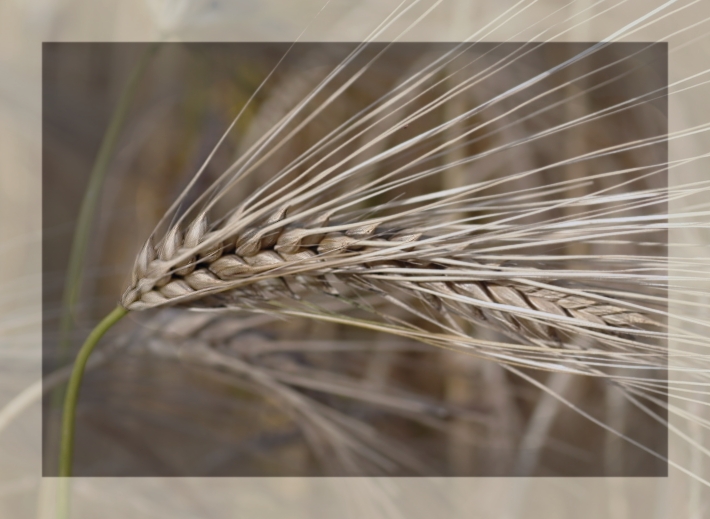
(572, 274)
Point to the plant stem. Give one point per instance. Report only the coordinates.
(85, 220)
(70, 400)
(91, 199)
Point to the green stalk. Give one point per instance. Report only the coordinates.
(91, 199)
(87, 212)
(70, 400)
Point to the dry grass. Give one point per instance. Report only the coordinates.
(532, 254)
(144, 411)
(513, 259)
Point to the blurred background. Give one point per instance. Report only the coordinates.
(391, 407)
(146, 391)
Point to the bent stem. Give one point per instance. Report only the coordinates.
(70, 400)
(91, 198)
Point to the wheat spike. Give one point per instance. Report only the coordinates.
(519, 247)
(256, 266)
(568, 262)
(502, 247)
(290, 244)
(156, 283)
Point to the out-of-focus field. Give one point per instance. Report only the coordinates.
(147, 395)
(445, 413)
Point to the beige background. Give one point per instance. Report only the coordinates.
(24, 24)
